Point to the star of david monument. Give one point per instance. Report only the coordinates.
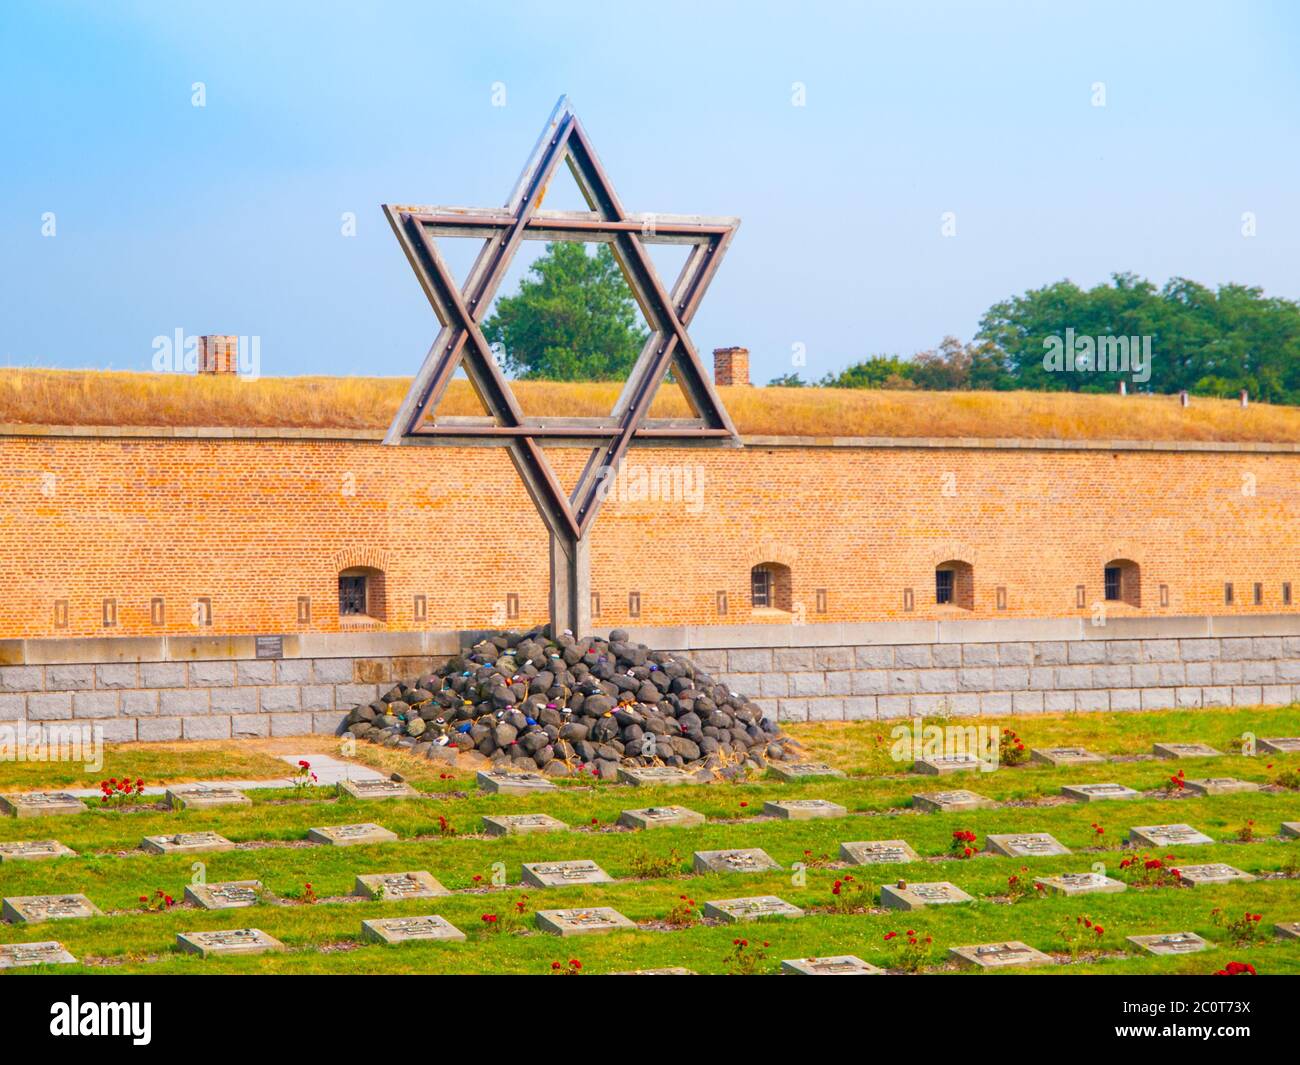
(460, 343)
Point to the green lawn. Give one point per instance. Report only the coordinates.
(652, 869)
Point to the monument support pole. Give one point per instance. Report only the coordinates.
(570, 599)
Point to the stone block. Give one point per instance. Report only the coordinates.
(299, 671)
(249, 726)
(51, 706)
(979, 654)
(578, 922)
(211, 727)
(292, 724)
(99, 704)
(158, 729)
(255, 672)
(397, 930)
(69, 678)
(236, 941)
(909, 896)
(212, 674)
(162, 675)
(21, 679)
(184, 702)
(912, 656)
(880, 657)
(117, 675)
(750, 660)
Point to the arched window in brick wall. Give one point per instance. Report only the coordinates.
(954, 584)
(1122, 581)
(362, 595)
(769, 587)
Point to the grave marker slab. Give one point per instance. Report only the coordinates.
(905, 896)
(839, 965)
(942, 764)
(742, 860)
(582, 922)
(1279, 745)
(872, 852)
(1289, 930)
(34, 850)
(1213, 873)
(660, 817)
(1098, 792)
(41, 804)
(1025, 845)
(15, 955)
(499, 782)
(186, 843)
(750, 909)
(351, 835)
(227, 942)
(232, 895)
(395, 886)
(950, 802)
(520, 824)
(377, 789)
(999, 955)
(667, 970)
(1167, 836)
(644, 776)
(799, 770)
(1081, 884)
(562, 874)
(1170, 943)
(29, 909)
(803, 809)
(1219, 786)
(1064, 756)
(395, 930)
(204, 797)
(1185, 750)
(1291, 829)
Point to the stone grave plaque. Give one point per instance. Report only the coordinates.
(1290, 930)
(186, 843)
(232, 895)
(1219, 786)
(1214, 873)
(950, 802)
(1279, 745)
(500, 782)
(395, 886)
(14, 955)
(1081, 884)
(744, 860)
(840, 965)
(377, 789)
(410, 929)
(41, 804)
(562, 874)
(660, 817)
(232, 941)
(917, 896)
(655, 774)
(1185, 750)
(667, 970)
(1098, 792)
(29, 909)
(519, 824)
(1167, 836)
(351, 835)
(803, 809)
(1170, 943)
(582, 922)
(1064, 756)
(1291, 829)
(1025, 845)
(998, 955)
(879, 850)
(204, 797)
(750, 909)
(941, 764)
(34, 850)
(798, 770)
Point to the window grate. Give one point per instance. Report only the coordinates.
(1113, 582)
(943, 586)
(352, 596)
(761, 587)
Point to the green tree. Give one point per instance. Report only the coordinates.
(573, 319)
(878, 371)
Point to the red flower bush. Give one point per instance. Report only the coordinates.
(1237, 968)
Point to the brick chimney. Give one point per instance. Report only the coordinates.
(218, 354)
(731, 366)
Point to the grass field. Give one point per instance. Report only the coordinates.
(653, 869)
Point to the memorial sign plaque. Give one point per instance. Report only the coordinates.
(667, 970)
(29, 909)
(233, 895)
(1219, 786)
(1064, 756)
(1185, 750)
(519, 824)
(1291, 829)
(41, 804)
(268, 646)
(798, 770)
(803, 809)
(1081, 884)
(14, 955)
(1170, 943)
(750, 909)
(204, 797)
(186, 843)
(840, 965)
(1167, 836)
(1098, 792)
(377, 789)
(34, 850)
(1214, 873)
(999, 955)
(656, 774)
(1290, 930)
(227, 942)
(917, 896)
(1279, 745)
(562, 874)
(395, 886)
(1025, 845)
(950, 802)
(880, 850)
(746, 860)
(410, 930)
(942, 764)
(351, 835)
(500, 782)
(582, 922)
(660, 817)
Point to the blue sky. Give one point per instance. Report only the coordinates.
(226, 218)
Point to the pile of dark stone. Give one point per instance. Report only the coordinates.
(571, 706)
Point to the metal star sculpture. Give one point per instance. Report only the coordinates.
(461, 344)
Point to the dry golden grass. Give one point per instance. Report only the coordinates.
(91, 397)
